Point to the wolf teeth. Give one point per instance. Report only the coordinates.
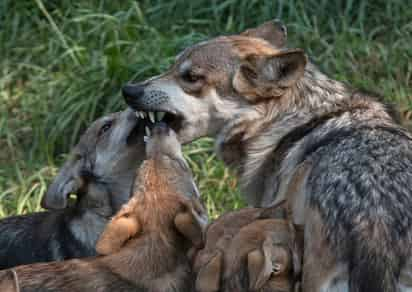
(147, 131)
(160, 116)
(151, 117)
(140, 114)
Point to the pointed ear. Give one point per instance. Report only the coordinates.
(120, 229)
(260, 266)
(269, 76)
(192, 222)
(67, 181)
(208, 277)
(273, 31)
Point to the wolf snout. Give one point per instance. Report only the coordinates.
(132, 93)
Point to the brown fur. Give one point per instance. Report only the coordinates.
(253, 249)
(145, 244)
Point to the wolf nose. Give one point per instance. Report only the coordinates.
(161, 128)
(132, 92)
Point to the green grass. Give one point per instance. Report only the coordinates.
(62, 64)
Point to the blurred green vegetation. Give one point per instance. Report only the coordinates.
(62, 64)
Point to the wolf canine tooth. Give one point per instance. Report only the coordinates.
(147, 131)
(151, 117)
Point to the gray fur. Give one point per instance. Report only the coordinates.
(271, 112)
(100, 171)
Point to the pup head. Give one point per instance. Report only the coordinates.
(164, 195)
(101, 167)
(214, 85)
(264, 255)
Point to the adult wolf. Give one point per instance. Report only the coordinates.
(276, 117)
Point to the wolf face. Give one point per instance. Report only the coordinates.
(213, 82)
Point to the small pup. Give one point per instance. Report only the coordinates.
(253, 249)
(100, 171)
(146, 243)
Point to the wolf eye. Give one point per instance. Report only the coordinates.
(190, 77)
(106, 127)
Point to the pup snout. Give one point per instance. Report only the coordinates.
(132, 93)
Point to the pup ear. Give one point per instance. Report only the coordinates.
(120, 229)
(273, 31)
(9, 281)
(192, 222)
(67, 181)
(269, 76)
(260, 265)
(208, 277)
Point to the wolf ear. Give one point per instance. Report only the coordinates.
(269, 76)
(208, 277)
(120, 229)
(273, 31)
(67, 181)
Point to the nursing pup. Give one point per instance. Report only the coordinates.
(145, 244)
(276, 116)
(100, 171)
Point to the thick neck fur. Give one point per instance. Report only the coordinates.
(157, 250)
(157, 198)
(312, 97)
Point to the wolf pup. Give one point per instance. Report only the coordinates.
(253, 249)
(276, 116)
(145, 244)
(100, 171)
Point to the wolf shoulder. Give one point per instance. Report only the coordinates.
(359, 164)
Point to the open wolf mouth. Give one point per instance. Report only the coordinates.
(173, 120)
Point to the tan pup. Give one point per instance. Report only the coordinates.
(253, 249)
(145, 244)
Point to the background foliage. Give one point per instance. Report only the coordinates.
(63, 62)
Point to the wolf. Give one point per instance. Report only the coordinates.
(100, 171)
(277, 118)
(146, 245)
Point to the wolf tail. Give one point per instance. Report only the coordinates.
(374, 265)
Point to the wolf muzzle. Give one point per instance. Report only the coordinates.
(138, 98)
